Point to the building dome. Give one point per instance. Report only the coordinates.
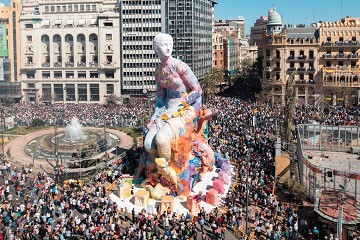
(274, 17)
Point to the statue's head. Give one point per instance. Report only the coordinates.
(163, 45)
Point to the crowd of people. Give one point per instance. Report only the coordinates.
(129, 115)
(37, 207)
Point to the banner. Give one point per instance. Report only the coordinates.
(3, 41)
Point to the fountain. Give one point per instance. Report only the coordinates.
(73, 143)
(74, 131)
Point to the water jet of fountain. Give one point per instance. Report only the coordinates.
(74, 131)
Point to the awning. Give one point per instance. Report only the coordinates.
(58, 22)
(69, 22)
(46, 22)
(93, 21)
(82, 21)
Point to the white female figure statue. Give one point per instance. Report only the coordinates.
(176, 86)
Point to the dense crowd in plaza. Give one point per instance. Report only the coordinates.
(128, 115)
(35, 207)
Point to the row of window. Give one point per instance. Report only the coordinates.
(138, 38)
(138, 74)
(140, 65)
(141, 11)
(139, 83)
(70, 8)
(142, 29)
(139, 2)
(57, 92)
(137, 47)
(144, 20)
(139, 56)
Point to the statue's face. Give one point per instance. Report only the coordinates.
(164, 49)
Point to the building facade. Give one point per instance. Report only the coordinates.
(339, 61)
(257, 31)
(289, 53)
(70, 51)
(190, 23)
(10, 88)
(141, 22)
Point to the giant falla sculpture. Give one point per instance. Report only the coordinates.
(177, 154)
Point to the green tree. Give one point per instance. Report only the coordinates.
(289, 107)
(112, 100)
(36, 122)
(211, 80)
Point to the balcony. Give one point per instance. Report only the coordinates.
(291, 58)
(353, 56)
(291, 69)
(45, 64)
(300, 81)
(81, 64)
(93, 64)
(328, 56)
(268, 69)
(312, 58)
(57, 64)
(69, 64)
(341, 70)
(303, 81)
(311, 69)
(341, 44)
(301, 69)
(29, 64)
(341, 56)
(301, 58)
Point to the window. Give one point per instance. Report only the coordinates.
(76, 8)
(46, 74)
(58, 92)
(29, 60)
(29, 38)
(29, 25)
(94, 92)
(70, 92)
(82, 92)
(70, 8)
(57, 8)
(46, 92)
(82, 8)
(46, 9)
(87, 7)
(108, 37)
(108, 24)
(64, 8)
(93, 7)
(31, 85)
(109, 88)
(52, 8)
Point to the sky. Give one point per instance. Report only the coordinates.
(293, 11)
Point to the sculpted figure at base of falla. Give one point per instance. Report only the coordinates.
(176, 151)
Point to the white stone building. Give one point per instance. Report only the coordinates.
(70, 51)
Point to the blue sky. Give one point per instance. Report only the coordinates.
(293, 11)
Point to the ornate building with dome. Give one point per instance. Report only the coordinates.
(323, 59)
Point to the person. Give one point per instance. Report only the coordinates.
(176, 86)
